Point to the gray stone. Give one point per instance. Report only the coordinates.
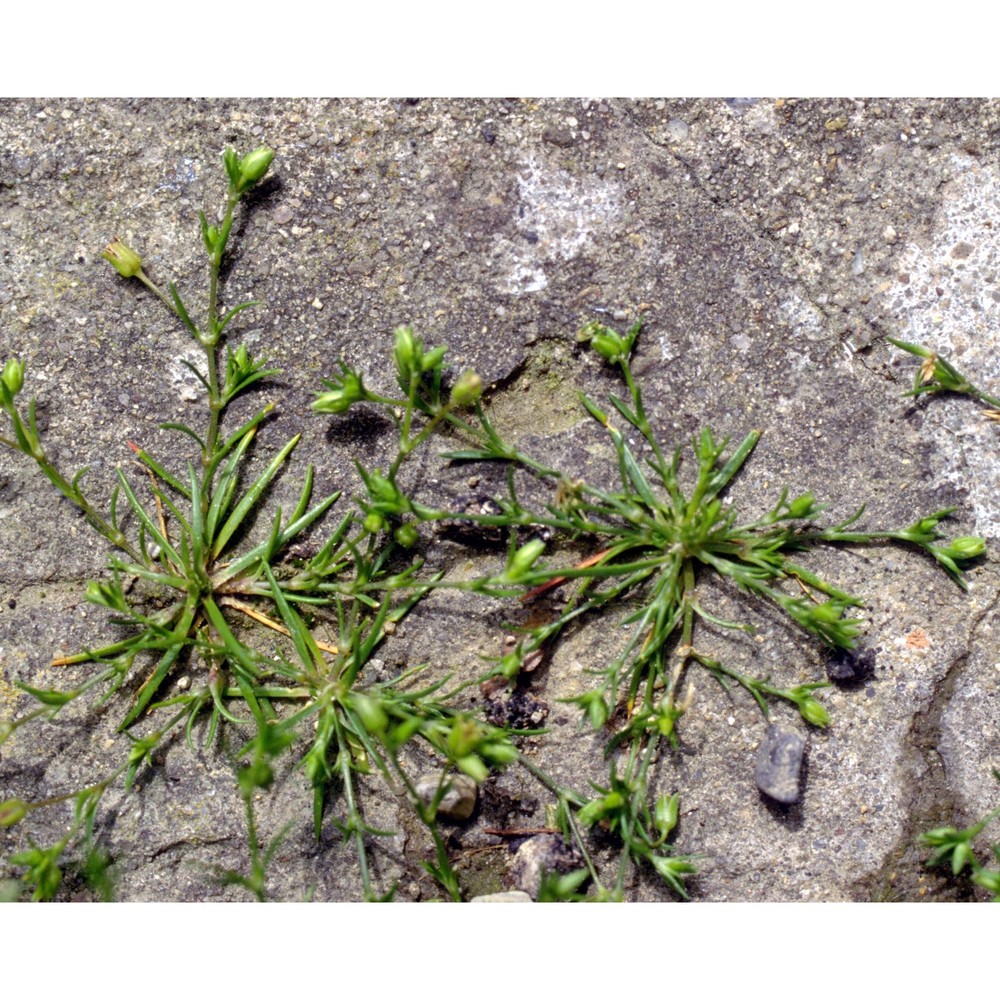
(546, 852)
(459, 798)
(515, 896)
(779, 764)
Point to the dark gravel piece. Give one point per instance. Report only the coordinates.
(779, 764)
(851, 666)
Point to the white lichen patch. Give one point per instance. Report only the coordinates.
(948, 298)
(558, 216)
(184, 381)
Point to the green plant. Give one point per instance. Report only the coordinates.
(955, 848)
(936, 375)
(652, 540)
(209, 586)
(236, 611)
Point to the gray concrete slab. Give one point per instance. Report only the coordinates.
(771, 245)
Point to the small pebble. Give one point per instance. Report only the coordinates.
(851, 666)
(779, 764)
(546, 852)
(458, 800)
(678, 129)
(516, 896)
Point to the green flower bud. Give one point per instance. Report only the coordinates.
(317, 769)
(802, 506)
(967, 547)
(673, 870)
(610, 344)
(597, 809)
(344, 392)
(522, 560)
(12, 811)
(253, 166)
(960, 857)
(474, 768)
(407, 535)
(467, 389)
(814, 713)
(406, 352)
(411, 359)
(374, 522)
(509, 665)
(595, 706)
(106, 595)
(432, 359)
(370, 712)
(13, 377)
(499, 752)
(463, 737)
(123, 259)
(665, 813)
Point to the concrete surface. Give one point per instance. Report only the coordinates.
(771, 244)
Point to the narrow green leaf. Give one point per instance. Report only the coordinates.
(222, 495)
(721, 479)
(197, 374)
(184, 429)
(235, 649)
(171, 480)
(182, 311)
(251, 497)
(251, 558)
(152, 685)
(224, 322)
(305, 645)
(147, 523)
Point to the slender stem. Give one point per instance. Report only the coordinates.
(157, 291)
(210, 343)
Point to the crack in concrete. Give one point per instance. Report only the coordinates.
(903, 876)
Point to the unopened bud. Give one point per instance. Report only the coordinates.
(13, 377)
(467, 389)
(123, 259)
(254, 165)
(347, 391)
(12, 811)
(802, 506)
(407, 535)
(967, 547)
(814, 713)
(523, 559)
(406, 351)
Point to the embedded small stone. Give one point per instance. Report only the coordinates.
(546, 852)
(678, 129)
(459, 798)
(850, 666)
(779, 764)
(515, 896)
